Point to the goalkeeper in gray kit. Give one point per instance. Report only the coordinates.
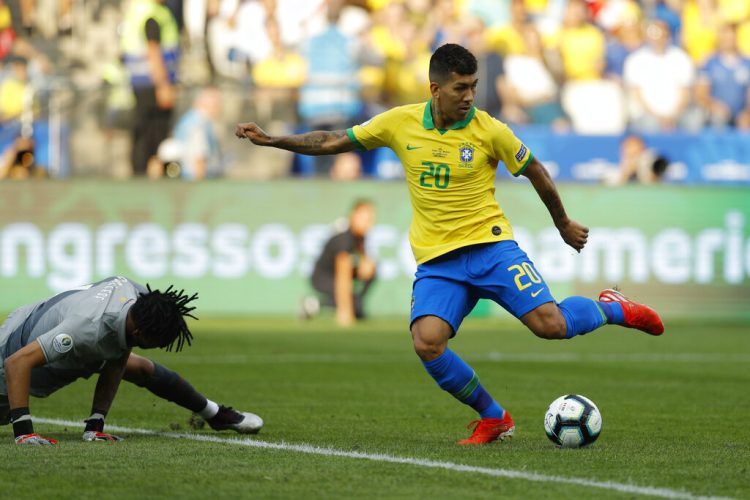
(92, 329)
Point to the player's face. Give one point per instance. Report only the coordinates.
(456, 97)
(362, 219)
(145, 343)
(657, 35)
(727, 39)
(135, 337)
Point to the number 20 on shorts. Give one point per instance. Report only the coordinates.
(525, 275)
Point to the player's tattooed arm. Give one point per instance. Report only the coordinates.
(318, 142)
(573, 233)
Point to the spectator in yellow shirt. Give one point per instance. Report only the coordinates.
(701, 22)
(278, 77)
(734, 11)
(581, 44)
(743, 38)
(385, 35)
(13, 90)
(509, 39)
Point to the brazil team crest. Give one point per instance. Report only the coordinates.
(466, 155)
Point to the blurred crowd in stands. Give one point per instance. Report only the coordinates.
(592, 67)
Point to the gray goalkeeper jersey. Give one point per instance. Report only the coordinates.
(78, 330)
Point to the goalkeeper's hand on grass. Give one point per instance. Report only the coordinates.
(99, 436)
(34, 439)
(23, 429)
(94, 430)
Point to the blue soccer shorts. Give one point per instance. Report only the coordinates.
(449, 286)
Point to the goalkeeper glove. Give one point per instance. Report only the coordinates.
(34, 439)
(99, 436)
(23, 429)
(94, 428)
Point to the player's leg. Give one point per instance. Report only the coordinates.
(622, 311)
(366, 276)
(570, 318)
(580, 315)
(358, 298)
(515, 284)
(430, 335)
(323, 286)
(169, 385)
(4, 410)
(439, 306)
(139, 154)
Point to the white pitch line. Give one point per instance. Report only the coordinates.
(382, 457)
(530, 357)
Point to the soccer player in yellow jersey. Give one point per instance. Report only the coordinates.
(462, 241)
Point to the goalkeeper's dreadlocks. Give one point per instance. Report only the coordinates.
(160, 317)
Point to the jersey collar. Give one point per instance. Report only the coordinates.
(428, 124)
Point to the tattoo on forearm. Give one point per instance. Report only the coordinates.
(551, 199)
(554, 204)
(311, 142)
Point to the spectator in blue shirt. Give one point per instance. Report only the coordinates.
(669, 11)
(723, 87)
(199, 154)
(330, 97)
(626, 39)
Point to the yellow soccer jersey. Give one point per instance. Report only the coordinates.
(450, 174)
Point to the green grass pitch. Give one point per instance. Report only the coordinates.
(675, 417)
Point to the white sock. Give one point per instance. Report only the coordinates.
(210, 410)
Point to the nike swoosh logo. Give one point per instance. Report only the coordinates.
(409, 147)
(534, 294)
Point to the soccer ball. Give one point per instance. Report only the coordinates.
(572, 421)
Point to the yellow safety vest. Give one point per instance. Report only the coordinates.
(133, 42)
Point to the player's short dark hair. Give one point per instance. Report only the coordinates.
(451, 58)
(160, 317)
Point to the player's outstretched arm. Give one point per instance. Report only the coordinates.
(106, 388)
(573, 233)
(18, 378)
(315, 143)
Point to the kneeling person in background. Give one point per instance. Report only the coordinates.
(92, 329)
(343, 272)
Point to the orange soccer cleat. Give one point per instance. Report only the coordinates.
(637, 315)
(488, 430)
